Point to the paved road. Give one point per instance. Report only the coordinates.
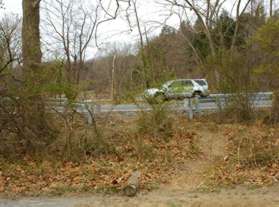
(179, 106)
(214, 102)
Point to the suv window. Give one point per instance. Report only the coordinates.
(176, 84)
(201, 82)
(181, 86)
(187, 83)
(181, 83)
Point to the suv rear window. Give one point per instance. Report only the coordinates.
(201, 82)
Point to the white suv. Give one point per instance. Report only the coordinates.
(179, 89)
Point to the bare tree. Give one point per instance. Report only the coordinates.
(112, 10)
(207, 13)
(9, 41)
(73, 27)
(239, 13)
(145, 70)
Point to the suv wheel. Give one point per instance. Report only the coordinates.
(197, 93)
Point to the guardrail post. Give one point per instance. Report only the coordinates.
(89, 118)
(98, 108)
(190, 109)
(192, 105)
(197, 104)
(87, 110)
(218, 103)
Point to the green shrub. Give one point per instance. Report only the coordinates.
(156, 122)
(239, 108)
(235, 78)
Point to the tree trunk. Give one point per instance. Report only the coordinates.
(113, 78)
(275, 107)
(145, 69)
(31, 46)
(33, 103)
(271, 8)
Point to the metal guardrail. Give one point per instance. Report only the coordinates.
(258, 100)
(225, 97)
(85, 107)
(191, 105)
(60, 105)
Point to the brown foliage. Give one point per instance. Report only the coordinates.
(154, 158)
(252, 156)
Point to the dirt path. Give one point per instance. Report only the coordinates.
(190, 176)
(239, 197)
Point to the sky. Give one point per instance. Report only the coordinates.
(147, 10)
(114, 31)
(13, 6)
(118, 31)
